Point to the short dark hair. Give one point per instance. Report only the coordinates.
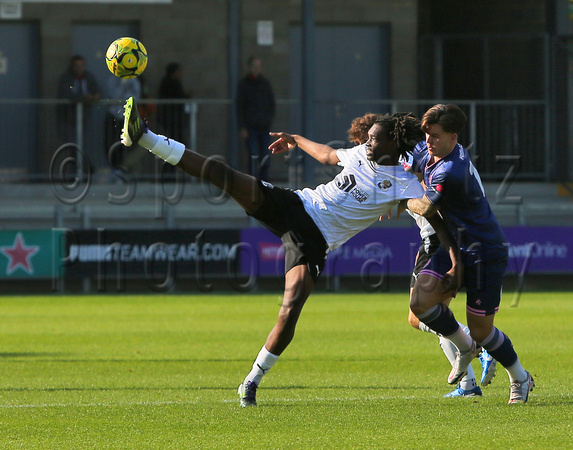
(450, 117)
(404, 128)
(171, 68)
(251, 59)
(73, 60)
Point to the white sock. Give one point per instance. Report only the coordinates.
(168, 149)
(517, 373)
(469, 381)
(148, 139)
(461, 340)
(425, 328)
(265, 360)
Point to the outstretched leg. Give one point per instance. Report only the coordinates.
(243, 188)
(298, 286)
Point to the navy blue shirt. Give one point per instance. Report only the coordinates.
(453, 184)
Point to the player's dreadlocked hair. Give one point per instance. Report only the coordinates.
(403, 128)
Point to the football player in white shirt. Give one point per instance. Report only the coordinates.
(310, 222)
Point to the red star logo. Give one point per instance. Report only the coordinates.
(19, 255)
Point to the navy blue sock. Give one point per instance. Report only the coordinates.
(500, 347)
(440, 319)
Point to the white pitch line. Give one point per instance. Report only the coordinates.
(91, 405)
(195, 402)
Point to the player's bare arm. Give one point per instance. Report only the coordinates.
(422, 206)
(321, 152)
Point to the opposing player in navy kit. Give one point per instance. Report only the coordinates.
(453, 187)
(467, 386)
(310, 222)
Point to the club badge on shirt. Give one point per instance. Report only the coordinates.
(386, 184)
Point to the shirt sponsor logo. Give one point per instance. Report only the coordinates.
(359, 194)
(347, 183)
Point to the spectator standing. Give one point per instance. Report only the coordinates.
(256, 111)
(78, 85)
(172, 117)
(119, 89)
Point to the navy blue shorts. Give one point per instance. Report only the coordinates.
(483, 279)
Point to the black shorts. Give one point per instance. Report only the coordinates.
(427, 249)
(283, 213)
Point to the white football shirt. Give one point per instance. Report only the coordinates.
(426, 229)
(357, 196)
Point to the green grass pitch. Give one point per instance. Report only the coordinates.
(162, 372)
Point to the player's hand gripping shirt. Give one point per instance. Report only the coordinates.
(453, 184)
(357, 196)
(426, 229)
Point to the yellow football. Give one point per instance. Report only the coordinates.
(126, 57)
